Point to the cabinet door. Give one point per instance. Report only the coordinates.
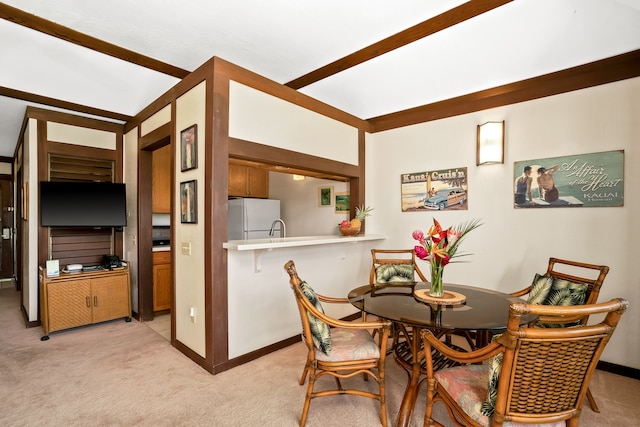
(110, 297)
(258, 183)
(69, 304)
(162, 289)
(237, 180)
(161, 176)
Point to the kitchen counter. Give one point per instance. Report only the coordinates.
(262, 246)
(161, 248)
(287, 242)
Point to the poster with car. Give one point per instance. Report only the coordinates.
(581, 180)
(444, 189)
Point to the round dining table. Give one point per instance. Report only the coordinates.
(482, 314)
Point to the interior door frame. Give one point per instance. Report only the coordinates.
(147, 144)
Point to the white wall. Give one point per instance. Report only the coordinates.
(299, 204)
(189, 268)
(514, 244)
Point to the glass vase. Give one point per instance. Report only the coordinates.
(436, 280)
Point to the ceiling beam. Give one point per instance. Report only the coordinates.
(431, 26)
(53, 102)
(37, 23)
(609, 70)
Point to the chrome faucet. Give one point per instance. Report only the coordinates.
(283, 229)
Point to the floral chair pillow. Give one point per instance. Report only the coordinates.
(395, 273)
(495, 366)
(320, 331)
(545, 290)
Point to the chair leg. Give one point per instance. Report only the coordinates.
(307, 400)
(305, 371)
(592, 401)
(383, 399)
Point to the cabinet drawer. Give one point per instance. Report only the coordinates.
(162, 257)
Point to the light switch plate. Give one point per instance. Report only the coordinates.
(186, 248)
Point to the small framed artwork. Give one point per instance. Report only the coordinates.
(188, 202)
(325, 196)
(189, 148)
(342, 203)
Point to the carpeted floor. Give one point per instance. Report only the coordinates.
(125, 374)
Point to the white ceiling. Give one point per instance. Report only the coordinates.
(286, 39)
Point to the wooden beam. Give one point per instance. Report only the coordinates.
(616, 68)
(431, 26)
(53, 102)
(37, 23)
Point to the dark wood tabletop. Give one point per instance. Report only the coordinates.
(484, 309)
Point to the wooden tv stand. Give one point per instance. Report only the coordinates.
(83, 298)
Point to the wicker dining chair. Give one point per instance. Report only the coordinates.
(391, 266)
(337, 348)
(535, 375)
(578, 271)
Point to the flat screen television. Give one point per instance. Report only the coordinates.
(82, 204)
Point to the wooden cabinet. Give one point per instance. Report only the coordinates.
(83, 298)
(248, 181)
(161, 176)
(162, 281)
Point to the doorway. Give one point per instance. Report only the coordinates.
(155, 263)
(6, 227)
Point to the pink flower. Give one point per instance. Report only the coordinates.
(452, 236)
(421, 252)
(419, 236)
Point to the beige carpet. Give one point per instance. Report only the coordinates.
(125, 374)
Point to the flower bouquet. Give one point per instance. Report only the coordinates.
(439, 247)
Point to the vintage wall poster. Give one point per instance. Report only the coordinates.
(444, 189)
(581, 180)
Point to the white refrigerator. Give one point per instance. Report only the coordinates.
(253, 218)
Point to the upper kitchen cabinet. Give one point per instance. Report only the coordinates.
(161, 172)
(248, 181)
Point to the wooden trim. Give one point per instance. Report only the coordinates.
(53, 102)
(156, 138)
(247, 150)
(625, 371)
(72, 119)
(216, 187)
(53, 29)
(596, 73)
(431, 26)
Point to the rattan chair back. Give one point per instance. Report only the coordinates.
(545, 372)
(393, 256)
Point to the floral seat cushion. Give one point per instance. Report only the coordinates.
(394, 273)
(350, 344)
(467, 385)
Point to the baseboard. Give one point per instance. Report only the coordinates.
(625, 371)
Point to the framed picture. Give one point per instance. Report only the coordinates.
(445, 189)
(188, 202)
(342, 203)
(325, 196)
(189, 148)
(580, 180)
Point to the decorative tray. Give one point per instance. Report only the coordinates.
(448, 298)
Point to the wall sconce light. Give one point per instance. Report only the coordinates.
(298, 177)
(490, 148)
